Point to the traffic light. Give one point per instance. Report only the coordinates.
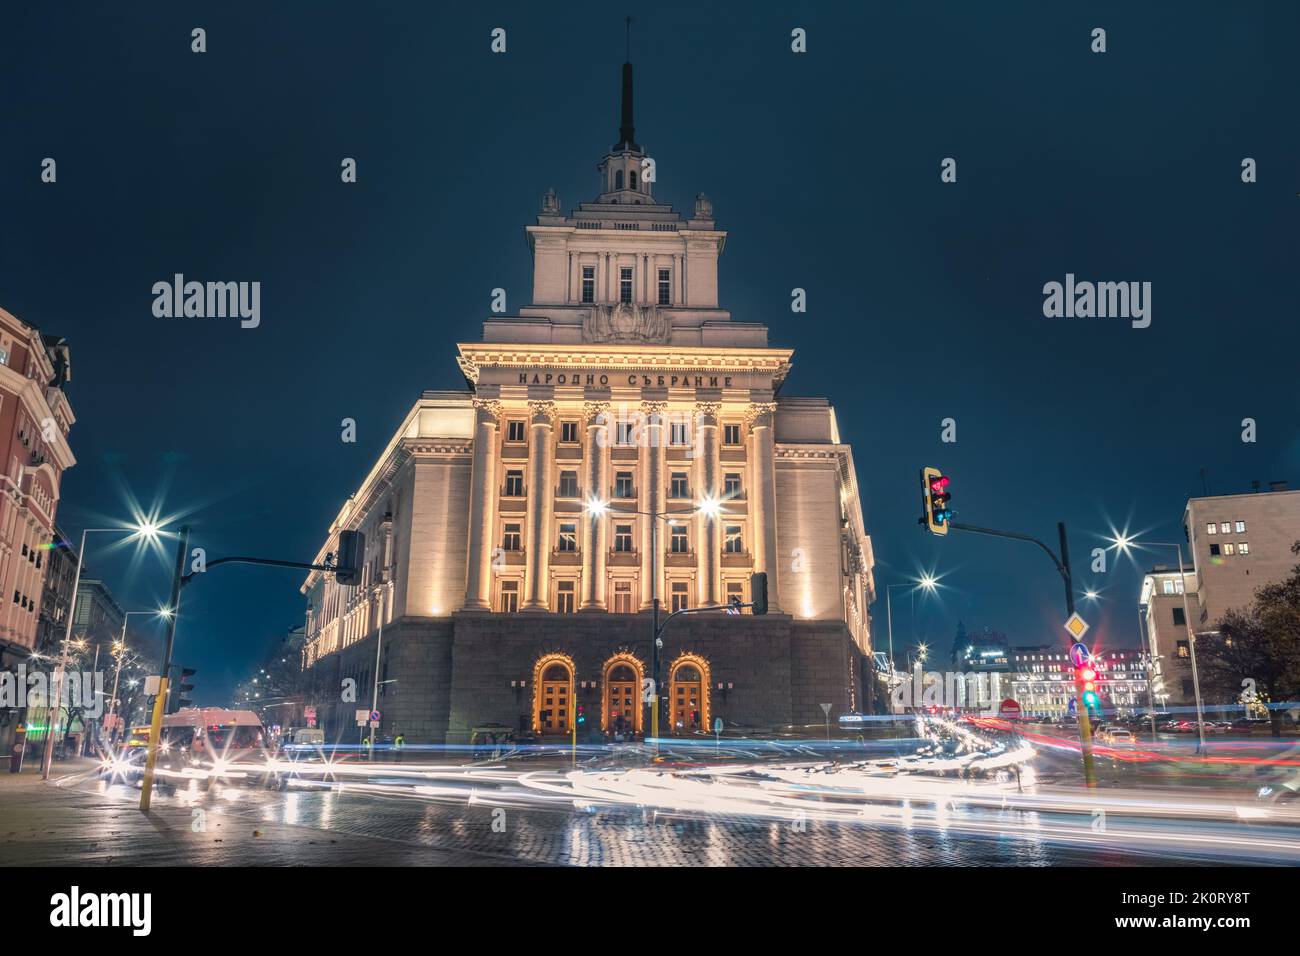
(582, 714)
(179, 690)
(758, 591)
(347, 562)
(1088, 680)
(934, 500)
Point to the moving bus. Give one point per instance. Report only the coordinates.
(206, 734)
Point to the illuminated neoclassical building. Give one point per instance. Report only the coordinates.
(509, 526)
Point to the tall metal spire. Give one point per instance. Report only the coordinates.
(627, 129)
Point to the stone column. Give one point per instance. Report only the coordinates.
(652, 500)
(761, 494)
(482, 506)
(708, 534)
(541, 503)
(596, 485)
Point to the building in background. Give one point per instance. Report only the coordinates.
(35, 417)
(1042, 681)
(1167, 599)
(56, 595)
(504, 599)
(1236, 544)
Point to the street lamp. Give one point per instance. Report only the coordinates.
(708, 506)
(927, 581)
(1124, 543)
(146, 529)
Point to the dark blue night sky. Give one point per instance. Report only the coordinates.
(925, 299)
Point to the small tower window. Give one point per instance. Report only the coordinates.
(631, 179)
(618, 179)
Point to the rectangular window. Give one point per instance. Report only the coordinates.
(731, 434)
(588, 284)
(735, 592)
(510, 538)
(731, 485)
(1183, 650)
(622, 597)
(625, 284)
(514, 484)
(1241, 527)
(515, 431)
(1229, 548)
(564, 597)
(1214, 550)
(568, 536)
(665, 287)
(679, 542)
(569, 433)
(1168, 587)
(4, 356)
(568, 484)
(509, 602)
(1211, 528)
(680, 485)
(1180, 619)
(623, 433)
(1242, 548)
(622, 537)
(677, 434)
(1225, 527)
(679, 596)
(733, 544)
(623, 484)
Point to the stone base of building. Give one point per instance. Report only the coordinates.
(454, 674)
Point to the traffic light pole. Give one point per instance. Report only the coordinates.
(179, 580)
(1063, 566)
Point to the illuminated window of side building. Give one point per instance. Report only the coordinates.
(734, 542)
(509, 600)
(679, 543)
(1225, 527)
(588, 284)
(622, 537)
(680, 595)
(514, 484)
(1241, 527)
(1211, 528)
(1242, 548)
(1167, 586)
(622, 597)
(564, 594)
(1229, 548)
(510, 538)
(568, 536)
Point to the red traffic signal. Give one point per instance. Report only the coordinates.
(934, 500)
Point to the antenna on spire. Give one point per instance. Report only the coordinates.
(628, 57)
(626, 129)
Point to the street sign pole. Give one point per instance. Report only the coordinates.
(160, 702)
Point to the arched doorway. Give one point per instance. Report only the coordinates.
(553, 695)
(688, 695)
(621, 700)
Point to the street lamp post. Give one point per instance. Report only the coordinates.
(1124, 544)
(148, 530)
